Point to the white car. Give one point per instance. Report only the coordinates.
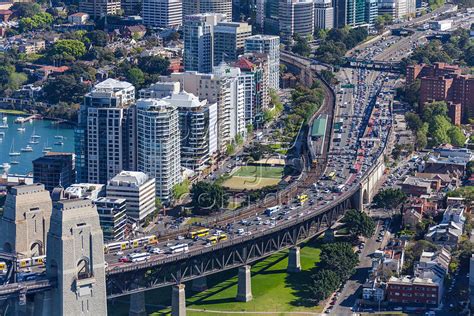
(119, 253)
(157, 251)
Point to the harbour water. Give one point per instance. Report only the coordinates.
(29, 140)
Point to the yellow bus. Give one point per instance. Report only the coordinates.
(3, 267)
(302, 198)
(212, 239)
(199, 233)
(222, 237)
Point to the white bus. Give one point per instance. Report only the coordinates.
(272, 210)
(137, 257)
(178, 248)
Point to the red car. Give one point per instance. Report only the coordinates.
(124, 259)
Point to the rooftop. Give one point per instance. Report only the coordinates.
(113, 84)
(130, 177)
(185, 100)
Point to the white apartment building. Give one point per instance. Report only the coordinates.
(207, 6)
(323, 15)
(160, 90)
(137, 189)
(214, 89)
(105, 137)
(296, 17)
(198, 32)
(236, 104)
(198, 128)
(269, 45)
(162, 13)
(158, 139)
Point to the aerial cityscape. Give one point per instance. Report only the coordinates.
(221, 157)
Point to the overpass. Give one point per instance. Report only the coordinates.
(394, 67)
(238, 251)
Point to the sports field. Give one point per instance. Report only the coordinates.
(254, 177)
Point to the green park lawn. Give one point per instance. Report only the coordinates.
(259, 172)
(273, 289)
(13, 112)
(253, 177)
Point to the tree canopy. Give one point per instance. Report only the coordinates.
(66, 49)
(301, 46)
(208, 197)
(359, 224)
(38, 21)
(340, 258)
(390, 198)
(25, 9)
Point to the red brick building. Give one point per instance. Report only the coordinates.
(443, 82)
(413, 291)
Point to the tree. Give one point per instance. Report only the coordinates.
(414, 121)
(340, 258)
(390, 198)
(324, 283)
(158, 203)
(438, 130)
(135, 76)
(456, 136)
(38, 21)
(25, 9)
(359, 224)
(67, 49)
(470, 168)
(301, 46)
(421, 139)
(64, 88)
(97, 38)
(154, 65)
(208, 197)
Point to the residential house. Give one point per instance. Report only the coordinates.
(78, 18)
(415, 187)
(433, 264)
(134, 31)
(454, 213)
(445, 234)
(374, 290)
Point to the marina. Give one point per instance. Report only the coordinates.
(22, 143)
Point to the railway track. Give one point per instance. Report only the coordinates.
(307, 178)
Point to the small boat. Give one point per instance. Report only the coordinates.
(4, 123)
(59, 137)
(5, 166)
(47, 148)
(34, 135)
(21, 129)
(28, 148)
(14, 162)
(12, 150)
(59, 143)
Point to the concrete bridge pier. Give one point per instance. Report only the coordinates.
(178, 300)
(294, 262)
(244, 287)
(199, 284)
(137, 304)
